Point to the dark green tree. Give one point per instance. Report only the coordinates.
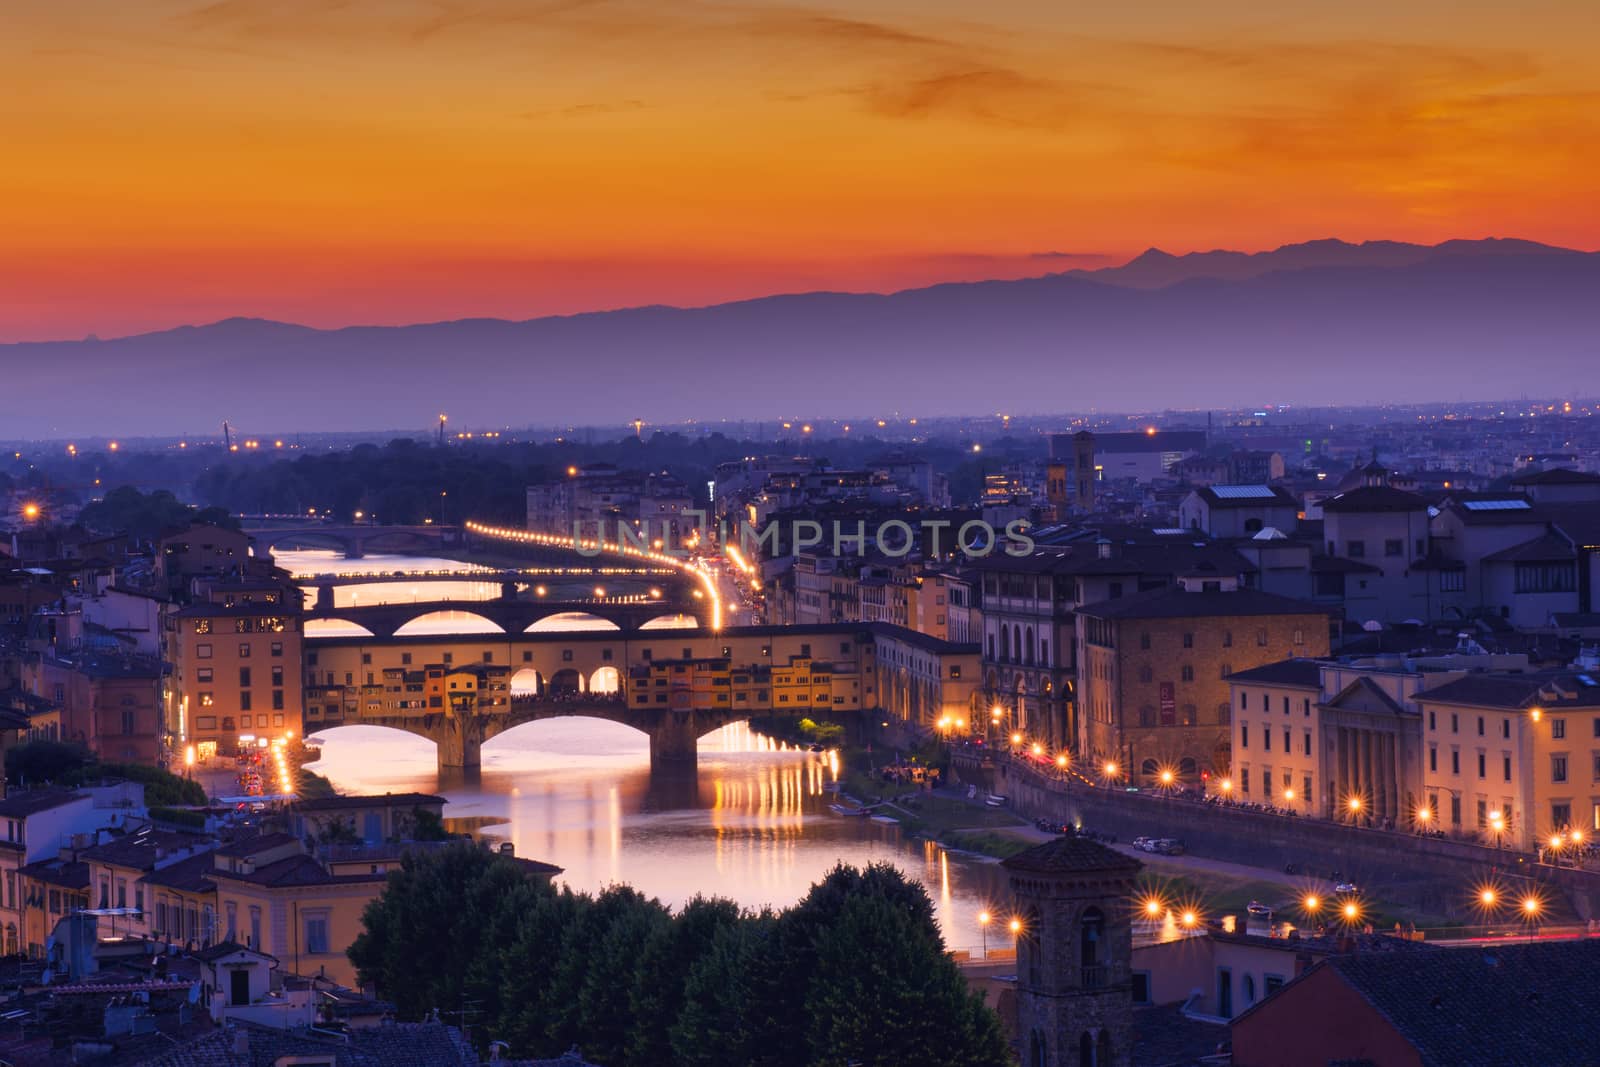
(422, 935)
(717, 1024)
(665, 961)
(884, 993)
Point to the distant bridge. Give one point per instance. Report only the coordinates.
(513, 615)
(355, 540)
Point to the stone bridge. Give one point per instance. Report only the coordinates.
(674, 734)
(513, 615)
(356, 540)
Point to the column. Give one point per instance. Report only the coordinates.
(1380, 777)
(1341, 771)
(1364, 781)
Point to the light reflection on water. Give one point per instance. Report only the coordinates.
(753, 825)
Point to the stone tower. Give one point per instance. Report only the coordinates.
(1074, 898)
(1083, 474)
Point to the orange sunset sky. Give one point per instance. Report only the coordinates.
(358, 161)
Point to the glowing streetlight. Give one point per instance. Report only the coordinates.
(1424, 813)
(1038, 749)
(1189, 919)
(983, 924)
(1351, 911)
(1311, 904)
(1488, 897)
(995, 713)
(1111, 770)
(1530, 907)
(1355, 805)
(1288, 794)
(1152, 908)
(1016, 739)
(1166, 777)
(1016, 927)
(1227, 785)
(1061, 761)
(30, 511)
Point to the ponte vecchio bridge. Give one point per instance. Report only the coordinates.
(674, 685)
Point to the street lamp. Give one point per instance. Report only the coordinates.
(1152, 909)
(1311, 904)
(983, 924)
(1189, 920)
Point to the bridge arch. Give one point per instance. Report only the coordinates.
(677, 621)
(290, 540)
(566, 681)
(605, 681)
(527, 683)
(567, 621)
(335, 628)
(457, 621)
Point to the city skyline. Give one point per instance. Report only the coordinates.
(333, 164)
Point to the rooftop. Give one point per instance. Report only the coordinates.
(32, 802)
(1557, 476)
(1374, 498)
(1533, 1004)
(1071, 853)
(1550, 690)
(1298, 673)
(392, 1045)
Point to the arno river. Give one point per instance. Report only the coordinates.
(753, 825)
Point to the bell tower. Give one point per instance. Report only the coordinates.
(1073, 898)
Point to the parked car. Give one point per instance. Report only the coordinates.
(1347, 887)
(1255, 907)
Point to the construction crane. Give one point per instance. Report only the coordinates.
(227, 436)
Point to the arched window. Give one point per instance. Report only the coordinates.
(1091, 929)
(1187, 767)
(1149, 768)
(1016, 644)
(1029, 947)
(991, 646)
(1027, 649)
(1005, 645)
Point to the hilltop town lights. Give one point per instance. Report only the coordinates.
(892, 537)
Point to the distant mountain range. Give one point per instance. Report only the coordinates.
(1322, 322)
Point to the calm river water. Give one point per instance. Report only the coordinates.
(753, 825)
